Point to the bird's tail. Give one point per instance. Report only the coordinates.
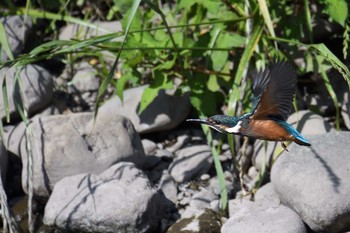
(301, 141)
(298, 138)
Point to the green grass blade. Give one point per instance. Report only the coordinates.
(218, 168)
(330, 91)
(331, 58)
(308, 20)
(4, 42)
(324, 52)
(21, 109)
(267, 19)
(346, 39)
(34, 13)
(244, 61)
(107, 80)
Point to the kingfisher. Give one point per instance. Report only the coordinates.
(273, 91)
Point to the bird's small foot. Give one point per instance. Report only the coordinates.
(284, 146)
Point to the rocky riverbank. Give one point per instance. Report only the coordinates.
(153, 172)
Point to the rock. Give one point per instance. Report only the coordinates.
(191, 162)
(180, 142)
(199, 202)
(148, 146)
(17, 29)
(207, 221)
(309, 123)
(267, 192)
(119, 199)
(72, 148)
(165, 112)
(315, 181)
(14, 137)
(345, 110)
(168, 186)
(3, 161)
(84, 87)
(164, 154)
(205, 177)
(84, 80)
(76, 31)
(215, 185)
(306, 122)
(261, 217)
(37, 87)
(317, 97)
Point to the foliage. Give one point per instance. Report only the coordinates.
(201, 47)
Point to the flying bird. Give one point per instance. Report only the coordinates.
(273, 92)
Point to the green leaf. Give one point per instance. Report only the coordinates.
(185, 4)
(159, 11)
(213, 83)
(219, 59)
(136, 22)
(229, 39)
(221, 39)
(151, 92)
(166, 65)
(204, 102)
(212, 6)
(122, 81)
(179, 38)
(337, 10)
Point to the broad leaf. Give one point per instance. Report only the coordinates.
(151, 92)
(337, 10)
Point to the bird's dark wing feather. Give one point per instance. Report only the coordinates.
(274, 90)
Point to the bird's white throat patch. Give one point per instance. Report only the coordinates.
(234, 129)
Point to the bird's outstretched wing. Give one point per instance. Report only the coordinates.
(274, 90)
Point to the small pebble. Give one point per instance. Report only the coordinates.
(165, 154)
(205, 177)
(225, 146)
(180, 196)
(160, 146)
(214, 205)
(228, 176)
(185, 201)
(223, 158)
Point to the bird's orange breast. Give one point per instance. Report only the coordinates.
(267, 130)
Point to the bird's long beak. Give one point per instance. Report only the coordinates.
(206, 122)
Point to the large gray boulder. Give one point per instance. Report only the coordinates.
(66, 145)
(261, 217)
(315, 181)
(118, 200)
(165, 112)
(37, 89)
